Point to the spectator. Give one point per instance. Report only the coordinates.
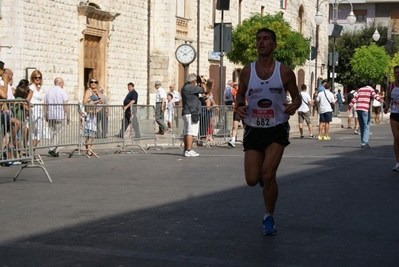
(227, 95)
(322, 86)
(340, 100)
(377, 108)
(130, 108)
(352, 112)
(176, 100)
(326, 101)
(236, 121)
(170, 107)
(362, 100)
(304, 112)
(90, 99)
(102, 116)
(191, 112)
(57, 110)
(36, 98)
(160, 102)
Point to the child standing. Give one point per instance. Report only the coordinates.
(170, 108)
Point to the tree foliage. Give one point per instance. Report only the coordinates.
(394, 62)
(346, 45)
(292, 48)
(371, 62)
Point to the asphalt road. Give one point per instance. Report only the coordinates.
(338, 206)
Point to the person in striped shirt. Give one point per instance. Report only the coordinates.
(362, 100)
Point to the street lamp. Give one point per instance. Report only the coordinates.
(376, 35)
(319, 19)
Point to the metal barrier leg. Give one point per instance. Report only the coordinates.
(33, 166)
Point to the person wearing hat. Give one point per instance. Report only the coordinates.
(160, 101)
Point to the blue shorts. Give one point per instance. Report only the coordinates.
(260, 138)
(89, 133)
(326, 117)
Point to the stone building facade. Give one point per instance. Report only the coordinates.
(123, 41)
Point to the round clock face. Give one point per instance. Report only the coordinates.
(185, 54)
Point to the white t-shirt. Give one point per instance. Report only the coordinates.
(160, 94)
(325, 98)
(56, 95)
(305, 97)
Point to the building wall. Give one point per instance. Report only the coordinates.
(47, 34)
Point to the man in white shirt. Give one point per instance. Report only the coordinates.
(57, 109)
(160, 102)
(326, 100)
(304, 112)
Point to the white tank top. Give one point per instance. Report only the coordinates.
(265, 100)
(395, 100)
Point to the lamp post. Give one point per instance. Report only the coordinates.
(319, 19)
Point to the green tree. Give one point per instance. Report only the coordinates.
(346, 45)
(394, 62)
(292, 48)
(371, 62)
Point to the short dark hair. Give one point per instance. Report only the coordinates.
(303, 86)
(1, 65)
(22, 91)
(370, 82)
(267, 30)
(132, 84)
(23, 82)
(324, 81)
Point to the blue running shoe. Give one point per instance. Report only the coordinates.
(268, 226)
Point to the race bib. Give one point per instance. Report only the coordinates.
(263, 118)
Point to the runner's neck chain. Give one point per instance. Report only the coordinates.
(270, 69)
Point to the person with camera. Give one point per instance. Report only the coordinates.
(191, 113)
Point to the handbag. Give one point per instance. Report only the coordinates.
(194, 116)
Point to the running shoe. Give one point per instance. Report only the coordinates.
(320, 137)
(356, 132)
(302, 136)
(191, 153)
(311, 136)
(268, 226)
(326, 137)
(396, 168)
(232, 143)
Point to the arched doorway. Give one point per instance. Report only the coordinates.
(94, 44)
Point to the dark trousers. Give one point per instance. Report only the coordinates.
(135, 124)
(159, 117)
(102, 124)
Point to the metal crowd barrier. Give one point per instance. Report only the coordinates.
(215, 123)
(177, 127)
(141, 126)
(15, 139)
(99, 125)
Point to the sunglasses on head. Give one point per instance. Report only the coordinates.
(93, 82)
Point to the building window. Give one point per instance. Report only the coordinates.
(283, 4)
(181, 8)
(361, 16)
